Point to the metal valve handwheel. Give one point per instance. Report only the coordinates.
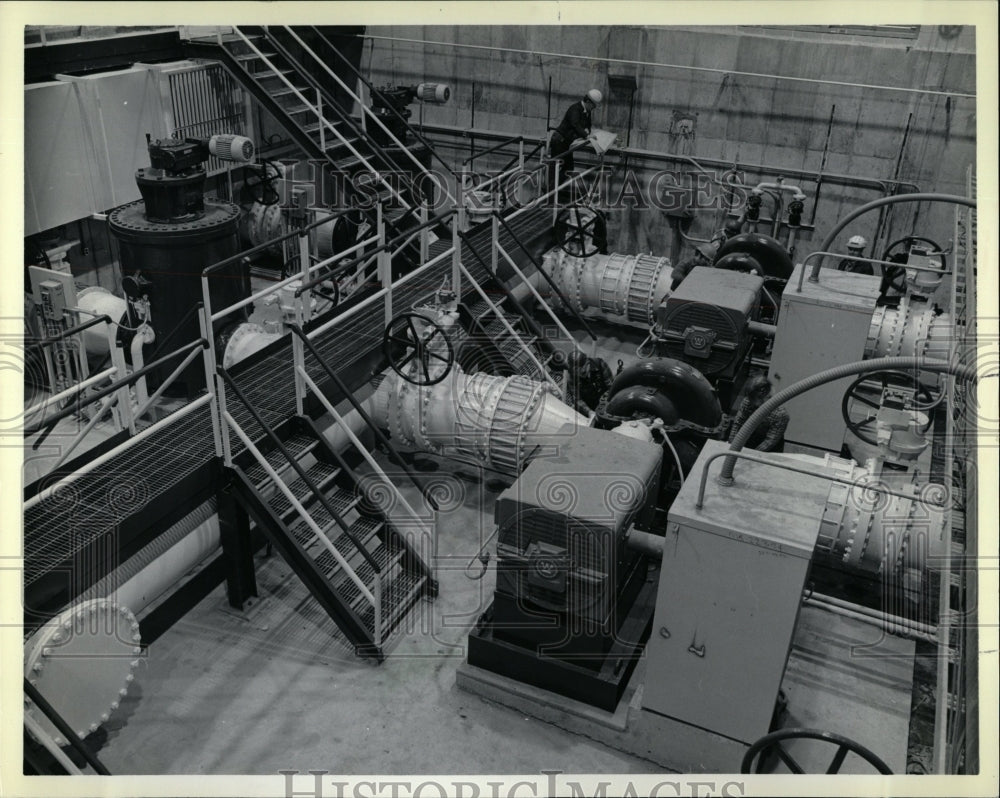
(577, 229)
(403, 344)
(772, 742)
(923, 399)
(897, 274)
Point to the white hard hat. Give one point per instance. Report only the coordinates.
(595, 96)
(857, 242)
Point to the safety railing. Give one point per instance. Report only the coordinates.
(545, 275)
(123, 408)
(333, 50)
(67, 732)
(365, 110)
(111, 396)
(956, 736)
(499, 314)
(135, 440)
(323, 122)
(373, 596)
(360, 410)
(311, 272)
(874, 261)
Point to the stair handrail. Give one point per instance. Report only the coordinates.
(539, 298)
(521, 310)
(392, 244)
(361, 104)
(322, 94)
(494, 148)
(67, 731)
(382, 438)
(419, 136)
(294, 502)
(128, 379)
(296, 466)
(328, 406)
(322, 120)
(548, 278)
(502, 317)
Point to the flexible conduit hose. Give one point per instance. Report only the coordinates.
(966, 372)
(929, 197)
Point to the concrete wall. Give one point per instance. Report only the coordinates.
(928, 139)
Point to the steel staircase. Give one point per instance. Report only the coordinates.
(497, 342)
(284, 76)
(503, 337)
(333, 527)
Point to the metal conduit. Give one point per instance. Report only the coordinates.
(961, 372)
(925, 197)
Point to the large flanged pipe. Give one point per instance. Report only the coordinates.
(768, 252)
(687, 389)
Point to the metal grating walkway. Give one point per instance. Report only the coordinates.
(87, 512)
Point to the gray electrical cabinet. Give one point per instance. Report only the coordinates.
(730, 588)
(825, 325)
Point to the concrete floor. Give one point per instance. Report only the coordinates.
(278, 688)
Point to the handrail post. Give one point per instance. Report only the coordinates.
(208, 359)
(377, 594)
(384, 260)
(494, 241)
(555, 192)
(124, 407)
(319, 114)
(456, 251)
(424, 235)
(303, 310)
(304, 307)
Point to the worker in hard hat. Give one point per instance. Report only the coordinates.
(855, 250)
(575, 125)
(769, 435)
(704, 255)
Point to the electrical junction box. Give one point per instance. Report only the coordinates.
(704, 321)
(730, 588)
(825, 325)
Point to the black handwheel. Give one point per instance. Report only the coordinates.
(577, 230)
(403, 343)
(896, 275)
(773, 741)
(258, 185)
(901, 379)
(329, 291)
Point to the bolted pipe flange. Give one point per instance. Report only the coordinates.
(79, 661)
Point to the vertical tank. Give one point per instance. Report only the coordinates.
(167, 238)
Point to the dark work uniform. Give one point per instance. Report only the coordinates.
(575, 125)
(853, 266)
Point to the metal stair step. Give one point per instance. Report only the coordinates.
(387, 558)
(320, 473)
(365, 530)
(397, 598)
(297, 445)
(343, 501)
